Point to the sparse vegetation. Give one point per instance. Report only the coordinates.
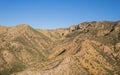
(90, 48)
(14, 68)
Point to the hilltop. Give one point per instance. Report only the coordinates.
(88, 48)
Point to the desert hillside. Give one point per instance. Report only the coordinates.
(89, 48)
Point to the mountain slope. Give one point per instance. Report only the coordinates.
(16, 45)
(89, 48)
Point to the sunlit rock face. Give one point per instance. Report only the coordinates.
(89, 48)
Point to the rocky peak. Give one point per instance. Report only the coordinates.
(23, 26)
(89, 48)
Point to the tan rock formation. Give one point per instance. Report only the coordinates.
(89, 48)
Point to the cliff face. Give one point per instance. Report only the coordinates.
(83, 49)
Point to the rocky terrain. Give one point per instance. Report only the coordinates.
(89, 48)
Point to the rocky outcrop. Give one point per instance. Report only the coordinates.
(89, 48)
(73, 28)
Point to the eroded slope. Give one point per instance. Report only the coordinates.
(89, 48)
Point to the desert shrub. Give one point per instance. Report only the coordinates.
(12, 69)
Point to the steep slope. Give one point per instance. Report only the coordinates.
(89, 48)
(23, 46)
(55, 34)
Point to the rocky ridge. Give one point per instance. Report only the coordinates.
(89, 48)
